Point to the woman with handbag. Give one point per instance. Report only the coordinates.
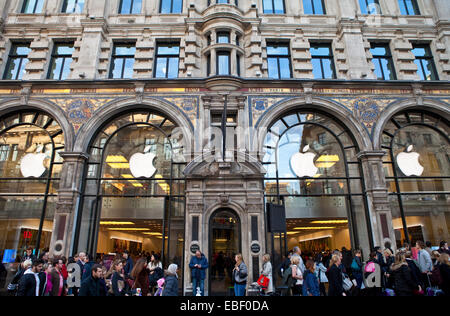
(335, 278)
(118, 284)
(266, 272)
(240, 275)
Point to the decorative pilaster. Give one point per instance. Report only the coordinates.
(380, 215)
(68, 195)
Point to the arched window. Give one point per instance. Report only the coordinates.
(313, 169)
(134, 188)
(417, 168)
(30, 168)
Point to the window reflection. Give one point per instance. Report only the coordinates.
(306, 155)
(418, 176)
(22, 197)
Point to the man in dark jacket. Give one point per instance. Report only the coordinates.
(30, 283)
(198, 265)
(89, 263)
(129, 265)
(91, 286)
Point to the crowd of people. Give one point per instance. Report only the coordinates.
(410, 271)
(117, 275)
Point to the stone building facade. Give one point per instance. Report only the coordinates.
(87, 83)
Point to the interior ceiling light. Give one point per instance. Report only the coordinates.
(116, 223)
(130, 229)
(135, 183)
(313, 228)
(117, 162)
(331, 222)
(327, 161)
(163, 184)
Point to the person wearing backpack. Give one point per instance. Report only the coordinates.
(356, 268)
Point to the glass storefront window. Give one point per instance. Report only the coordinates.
(418, 176)
(29, 180)
(134, 190)
(312, 168)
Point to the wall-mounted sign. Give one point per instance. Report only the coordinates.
(255, 248)
(27, 235)
(194, 248)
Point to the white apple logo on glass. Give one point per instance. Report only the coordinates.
(141, 164)
(32, 165)
(408, 162)
(303, 164)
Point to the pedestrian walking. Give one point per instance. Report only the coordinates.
(198, 266)
(425, 263)
(140, 275)
(321, 271)
(443, 247)
(30, 282)
(87, 267)
(444, 269)
(118, 285)
(335, 277)
(298, 252)
(91, 286)
(403, 281)
(356, 268)
(297, 274)
(171, 281)
(57, 278)
(310, 283)
(156, 272)
(128, 267)
(240, 275)
(267, 272)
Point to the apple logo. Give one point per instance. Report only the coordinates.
(141, 165)
(303, 164)
(32, 165)
(408, 162)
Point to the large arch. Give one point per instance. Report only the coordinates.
(432, 105)
(340, 113)
(41, 105)
(109, 111)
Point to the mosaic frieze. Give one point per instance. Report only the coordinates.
(259, 105)
(79, 111)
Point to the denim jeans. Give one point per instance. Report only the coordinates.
(198, 283)
(239, 289)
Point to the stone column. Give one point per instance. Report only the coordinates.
(68, 196)
(380, 215)
(213, 68)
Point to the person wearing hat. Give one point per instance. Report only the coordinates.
(171, 282)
